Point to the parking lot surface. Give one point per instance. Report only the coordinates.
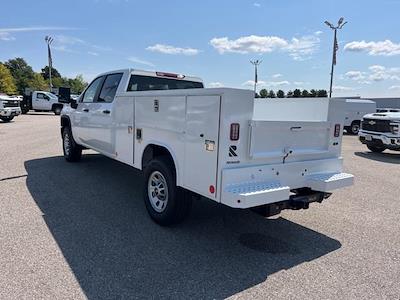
(81, 231)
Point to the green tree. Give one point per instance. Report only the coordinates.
(21, 72)
(280, 94)
(305, 94)
(77, 85)
(54, 73)
(263, 93)
(271, 94)
(313, 93)
(7, 84)
(37, 83)
(322, 93)
(296, 93)
(289, 94)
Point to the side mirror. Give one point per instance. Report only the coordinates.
(74, 104)
(64, 95)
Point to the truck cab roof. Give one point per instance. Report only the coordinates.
(131, 71)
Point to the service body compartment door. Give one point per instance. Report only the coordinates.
(201, 144)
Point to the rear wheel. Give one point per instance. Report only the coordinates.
(7, 119)
(57, 110)
(376, 149)
(166, 203)
(72, 151)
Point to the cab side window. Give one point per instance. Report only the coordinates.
(109, 88)
(41, 96)
(91, 91)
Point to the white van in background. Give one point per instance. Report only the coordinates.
(355, 110)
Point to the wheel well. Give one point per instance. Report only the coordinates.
(152, 151)
(65, 122)
(56, 105)
(356, 122)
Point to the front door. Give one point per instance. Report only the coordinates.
(201, 144)
(41, 101)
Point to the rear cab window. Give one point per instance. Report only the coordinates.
(150, 83)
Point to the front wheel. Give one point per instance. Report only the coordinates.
(166, 203)
(72, 151)
(355, 128)
(376, 149)
(7, 119)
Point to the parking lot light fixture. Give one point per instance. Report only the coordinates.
(340, 25)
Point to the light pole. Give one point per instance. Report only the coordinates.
(335, 47)
(49, 40)
(255, 63)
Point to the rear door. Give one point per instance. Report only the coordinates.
(201, 144)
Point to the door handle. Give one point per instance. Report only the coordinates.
(85, 110)
(106, 111)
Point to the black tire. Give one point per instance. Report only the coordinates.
(347, 128)
(178, 203)
(355, 127)
(7, 119)
(72, 151)
(376, 149)
(57, 110)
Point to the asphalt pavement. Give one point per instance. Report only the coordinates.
(81, 231)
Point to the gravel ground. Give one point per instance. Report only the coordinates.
(81, 231)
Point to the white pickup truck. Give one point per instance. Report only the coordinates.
(9, 108)
(42, 101)
(218, 143)
(381, 131)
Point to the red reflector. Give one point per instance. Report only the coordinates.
(212, 189)
(235, 128)
(337, 130)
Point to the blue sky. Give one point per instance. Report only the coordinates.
(214, 40)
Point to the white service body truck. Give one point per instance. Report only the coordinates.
(381, 131)
(9, 108)
(218, 143)
(42, 101)
(355, 110)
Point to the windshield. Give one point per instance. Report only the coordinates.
(149, 83)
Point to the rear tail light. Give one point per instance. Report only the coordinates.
(337, 130)
(235, 128)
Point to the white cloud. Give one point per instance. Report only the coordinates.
(355, 75)
(93, 53)
(262, 83)
(395, 87)
(299, 82)
(140, 61)
(319, 32)
(167, 49)
(6, 36)
(341, 88)
(277, 75)
(256, 4)
(385, 48)
(298, 48)
(215, 84)
(5, 33)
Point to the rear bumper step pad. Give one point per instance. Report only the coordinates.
(251, 194)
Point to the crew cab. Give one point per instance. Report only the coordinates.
(381, 131)
(9, 108)
(41, 101)
(219, 143)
